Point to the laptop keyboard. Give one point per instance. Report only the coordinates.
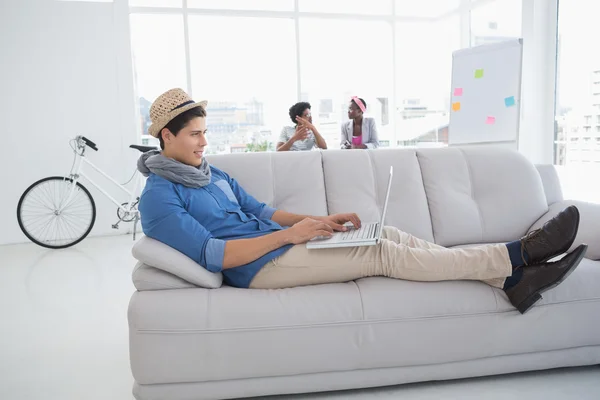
(365, 232)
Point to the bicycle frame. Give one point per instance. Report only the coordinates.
(80, 161)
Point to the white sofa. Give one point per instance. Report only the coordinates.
(189, 342)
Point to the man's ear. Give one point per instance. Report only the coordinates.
(166, 135)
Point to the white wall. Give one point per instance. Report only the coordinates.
(65, 71)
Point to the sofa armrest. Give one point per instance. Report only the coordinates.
(551, 183)
(589, 225)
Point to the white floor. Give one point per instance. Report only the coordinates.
(64, 335)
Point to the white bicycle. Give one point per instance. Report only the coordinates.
(58, 212)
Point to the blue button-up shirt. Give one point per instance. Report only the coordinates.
(198, 221)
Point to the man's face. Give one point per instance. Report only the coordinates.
(188, 146)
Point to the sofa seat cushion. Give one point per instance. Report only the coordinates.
(465, 320)
(189, 335)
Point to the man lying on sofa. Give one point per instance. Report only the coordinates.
(205, 214)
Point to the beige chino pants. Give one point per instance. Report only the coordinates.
(398, 255)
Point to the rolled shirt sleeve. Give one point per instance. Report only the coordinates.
(285, 135)
(214, 254)
(267, 212)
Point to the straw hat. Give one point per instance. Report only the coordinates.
(169, 105)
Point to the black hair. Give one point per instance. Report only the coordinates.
(297, 109)
(364, 103)
(180, 122)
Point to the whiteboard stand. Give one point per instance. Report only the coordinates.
(485, 95)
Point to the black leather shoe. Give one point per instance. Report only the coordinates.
(554, 238)
(542, 277)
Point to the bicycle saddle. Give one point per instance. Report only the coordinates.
(143, 149)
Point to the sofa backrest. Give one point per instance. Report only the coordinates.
(480, 195)
(450, 196)
(291, 181)
(356, 181)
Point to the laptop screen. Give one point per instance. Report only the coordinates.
(385, 204)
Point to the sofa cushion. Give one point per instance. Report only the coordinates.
(453, 321)
(158, 255)
(291, 181)
(356, 181)
(150, 278)
(211, 327)
(480, 195)
(371, 323)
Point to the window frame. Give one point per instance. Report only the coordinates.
(463, 11)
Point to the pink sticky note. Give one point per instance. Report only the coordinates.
(490, 120)
(458, 91)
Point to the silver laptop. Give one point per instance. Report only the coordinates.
(368, 234)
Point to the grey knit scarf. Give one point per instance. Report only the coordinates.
(174, 171)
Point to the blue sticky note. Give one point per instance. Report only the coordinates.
(509, 101)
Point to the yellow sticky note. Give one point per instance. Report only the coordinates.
(479, 73)
(456, 106)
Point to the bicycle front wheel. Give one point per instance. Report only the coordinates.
(55, 213)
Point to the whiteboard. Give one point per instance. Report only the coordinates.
(486, 93)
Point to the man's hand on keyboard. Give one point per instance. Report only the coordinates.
(306, 230)
(337, 221)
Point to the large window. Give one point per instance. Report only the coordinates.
(155, 3)
(578, 80)
(246, 69)
(159, 59)
(427, 8)
(423, 75)
(253, 60)
(344, 58)
(577, 149)
(494, 21)
(270, 5)
(372, 7)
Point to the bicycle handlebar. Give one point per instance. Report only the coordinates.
(89, 143)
